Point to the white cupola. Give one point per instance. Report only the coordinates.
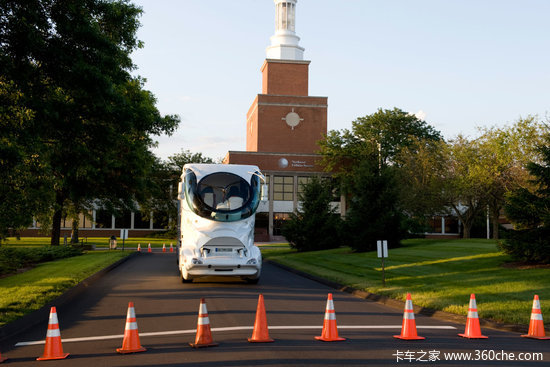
(284, 43)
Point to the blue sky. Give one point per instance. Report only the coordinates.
(463, 63)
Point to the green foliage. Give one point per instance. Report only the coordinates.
(315, 226)
(530, 211)
(374, 213)
(367, 161)
(162, 187)
(91, 119)
(12, 259)
(386, 131)
(529, 245)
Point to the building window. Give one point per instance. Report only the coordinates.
(123, 220)
(141, 221)
(160, 220)
(283, 188)
(103, 219)
(301, 182)
(279, 219)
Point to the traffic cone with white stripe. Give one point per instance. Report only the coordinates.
(204, 334)
(473, 330)
(53, 348)
(171, 248)
(149, 248)
(139, 247)
(163, 247)
(130, 343)
(408, 328)
(260, 334)
(536, 325)
(330, 329)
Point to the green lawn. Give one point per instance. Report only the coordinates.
(26, 292)
(440, 274)
(100, 242)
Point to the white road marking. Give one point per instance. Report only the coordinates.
(232, 328)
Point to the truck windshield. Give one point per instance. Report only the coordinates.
(222, 196)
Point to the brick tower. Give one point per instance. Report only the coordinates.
(284, 123)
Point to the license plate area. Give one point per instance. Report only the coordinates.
(224, 250)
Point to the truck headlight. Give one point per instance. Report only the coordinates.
(251, 262)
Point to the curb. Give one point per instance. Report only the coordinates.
(393, 303)
(35, 317)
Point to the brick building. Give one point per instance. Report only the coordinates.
(283, 125)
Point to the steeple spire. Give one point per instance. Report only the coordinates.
(284, 43)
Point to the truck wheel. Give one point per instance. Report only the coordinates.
(185, 276)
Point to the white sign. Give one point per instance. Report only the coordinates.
(382, 248)
(123, 234)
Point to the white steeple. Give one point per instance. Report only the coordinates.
(284, 43)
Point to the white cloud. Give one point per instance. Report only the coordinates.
(421, 115)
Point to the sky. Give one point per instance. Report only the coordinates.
(458, 64)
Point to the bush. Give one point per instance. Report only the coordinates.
(13, 259)
(316, 226)
(530, 245)
(374, 213)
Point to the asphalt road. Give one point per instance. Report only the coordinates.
(167, 310)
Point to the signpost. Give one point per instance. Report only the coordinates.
(382, 247)
(123, 236)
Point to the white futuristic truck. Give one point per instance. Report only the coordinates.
(217, 206)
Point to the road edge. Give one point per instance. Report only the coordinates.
(391, 302)
(35, 317)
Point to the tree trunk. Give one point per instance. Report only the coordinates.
(495, 214)
(74, 233)
(56, 220)
(467, 227)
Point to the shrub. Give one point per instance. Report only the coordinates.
(530, 245)
(12, 258)
(316, 226)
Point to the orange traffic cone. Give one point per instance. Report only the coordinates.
(261, 332)
(130, 343)
(536, 325)
(330, 330)
(53, 348)
(163, 247)
(139, 247)
(408, 328)
(204, 335)
(171, 248)
(473, 331)
(149, 248)
(2, 359)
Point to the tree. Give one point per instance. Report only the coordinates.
(163, 182)
(389, 130)
(21, 174)
(505, 154)
(529, 210)
(366, 161)
(316, 226)
(421, 169)
(71, 62)
(374, 213)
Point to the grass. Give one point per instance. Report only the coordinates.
(26, 292)
(440, 274)
(99, 242)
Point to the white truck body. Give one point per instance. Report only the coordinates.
(217, 206)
